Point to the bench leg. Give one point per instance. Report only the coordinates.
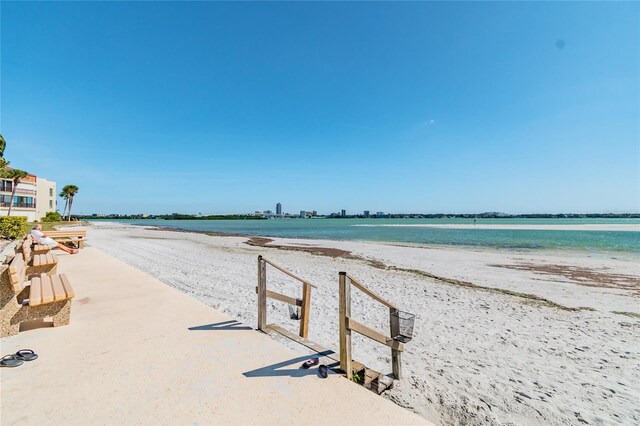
(63, 316)
(59, 311)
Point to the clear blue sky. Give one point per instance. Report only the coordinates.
(414, 107)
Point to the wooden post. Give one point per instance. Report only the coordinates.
(305, 310)
(345, 333)
(262, 295)
(396, 356)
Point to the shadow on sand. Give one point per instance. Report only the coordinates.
(224, 325)
(279, 370)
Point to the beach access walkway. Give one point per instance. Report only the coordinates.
(138, 352)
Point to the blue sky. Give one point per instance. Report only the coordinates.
(401, 107)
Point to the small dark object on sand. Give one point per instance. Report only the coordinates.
(26, 355)
(324, 371)
(10, 361)
(310, 363)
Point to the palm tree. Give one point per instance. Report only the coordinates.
(7, 172)
(65, 196)
(14, 175)
(69, 192)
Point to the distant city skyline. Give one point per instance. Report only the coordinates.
(419, 107)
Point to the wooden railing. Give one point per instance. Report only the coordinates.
(348, 324)
(304, 303)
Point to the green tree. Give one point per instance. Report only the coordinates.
(69, 192)
(3, 145)
(6, 172)
(14, 175)
(65, 197)
(3, 162)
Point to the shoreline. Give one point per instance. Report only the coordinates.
(471, 247)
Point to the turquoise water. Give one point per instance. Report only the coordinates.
(352, 229)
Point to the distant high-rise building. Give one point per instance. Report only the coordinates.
(303, 213)
(278, 209)
(343, 213)
(314, 213)
(366, 213)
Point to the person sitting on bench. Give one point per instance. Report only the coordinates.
(41, 238)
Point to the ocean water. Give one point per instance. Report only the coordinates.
(379, 230)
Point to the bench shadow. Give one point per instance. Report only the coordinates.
(35, 324)
(279, 370)
(224, 325)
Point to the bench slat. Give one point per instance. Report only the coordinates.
(67, 286)
(50, 259)
(26, 250)
(36, 259)
(17, 269)
(46, 289)
(35, 297)
(58, 288)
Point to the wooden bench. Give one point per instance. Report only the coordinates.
(44, 263)
(41, 297)
(77, 238)
(35, 247)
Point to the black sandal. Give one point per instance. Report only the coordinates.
(324, 371)
(10, 361)
(26, 355)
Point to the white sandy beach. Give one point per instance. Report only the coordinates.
(478, 356)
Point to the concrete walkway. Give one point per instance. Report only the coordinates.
(138, 351)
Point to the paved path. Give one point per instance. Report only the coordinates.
(138, 351)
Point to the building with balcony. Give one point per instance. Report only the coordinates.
(34, 197)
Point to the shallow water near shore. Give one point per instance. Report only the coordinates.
(425, 231)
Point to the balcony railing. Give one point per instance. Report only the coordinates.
(19, 205)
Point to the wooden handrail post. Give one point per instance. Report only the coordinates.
(345, 334)
(305, 310)
(262, 295)
(396, 356)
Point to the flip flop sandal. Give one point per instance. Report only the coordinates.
(310, 363)
(26, 355)
(324, 371)
(10, 361)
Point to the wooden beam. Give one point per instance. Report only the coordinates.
(370, 293)
(305, 311)
(373, 334)
(262, 294)
(396, 356)
(281, 269)
(344, 313)
(282, 298)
